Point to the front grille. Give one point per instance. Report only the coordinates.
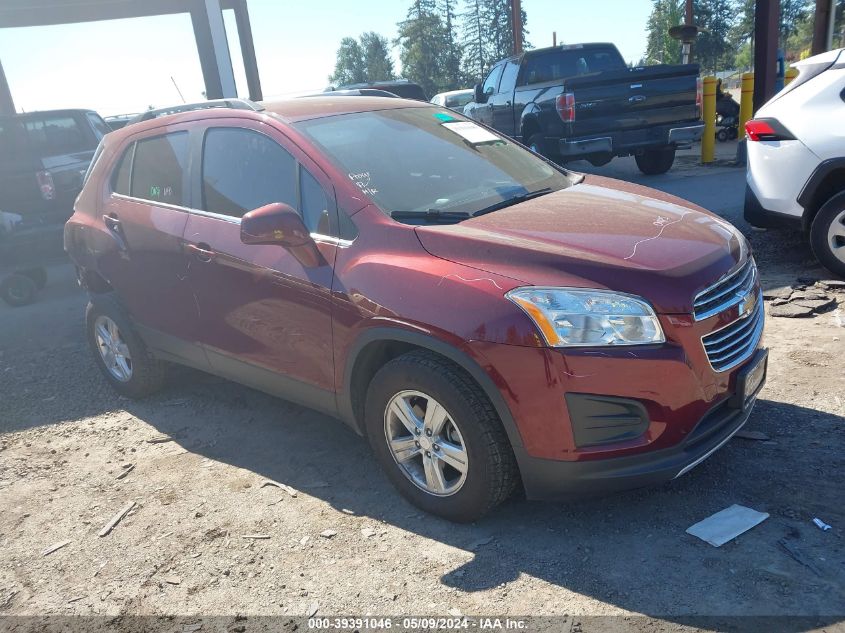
(729, 346)
(730, 290)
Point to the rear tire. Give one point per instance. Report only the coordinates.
(38, 275)
(827, 235)
(18, 290)
(468, 447)
(538, 144)
(118, 350)
(653, 162)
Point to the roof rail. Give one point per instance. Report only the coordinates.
(234, 104)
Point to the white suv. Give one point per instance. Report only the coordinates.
(796, 158)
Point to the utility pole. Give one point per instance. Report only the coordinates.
(686, 47)
(516, 24)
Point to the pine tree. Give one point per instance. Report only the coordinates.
(378, 66)
(475, 42)
(660, 48)
(712, 49)
(349, 67)
(452, 54)
(422, 40)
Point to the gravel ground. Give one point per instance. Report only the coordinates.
(341, 541)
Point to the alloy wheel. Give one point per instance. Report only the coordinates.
(836, 236)
(113, 349)
(426, 443)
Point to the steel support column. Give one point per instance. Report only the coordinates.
(766, 19)
(213, 48)
(248, 50)
(823, 26)
(7, 105)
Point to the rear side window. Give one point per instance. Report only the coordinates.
(120, 175)
(243, 170)
(54, 135)
(561, 64)
(159, 169)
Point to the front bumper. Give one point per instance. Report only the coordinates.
(627, 142)
(551, 479)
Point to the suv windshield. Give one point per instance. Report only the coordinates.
(430, 162)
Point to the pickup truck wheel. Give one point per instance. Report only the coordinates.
(38, 275)
(538, 144)
(18, 290)
(438, 437)
(118, 350)
(827, 235)
(655, 161)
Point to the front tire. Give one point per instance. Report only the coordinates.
(827, 235)
(438, 437)
(653, 162)
(118, 350)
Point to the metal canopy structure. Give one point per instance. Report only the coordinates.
(206, 17)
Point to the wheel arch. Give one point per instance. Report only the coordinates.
(377, 346)
(826, 181)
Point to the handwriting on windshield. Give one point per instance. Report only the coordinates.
(363, 182)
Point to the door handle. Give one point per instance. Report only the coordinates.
(112, 224)
(202, 252)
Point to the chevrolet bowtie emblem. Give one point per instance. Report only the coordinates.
(747, 305)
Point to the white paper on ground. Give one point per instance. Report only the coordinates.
(471, 132)
(726, 525)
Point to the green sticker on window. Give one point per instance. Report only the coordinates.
(444, 117)
(155, 191)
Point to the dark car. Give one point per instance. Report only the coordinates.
(399, 87)
(43, 160)
(581, 101)
(485, 318)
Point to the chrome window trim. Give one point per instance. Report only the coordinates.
(318, 237)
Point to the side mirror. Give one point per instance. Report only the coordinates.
(479, 96)
(279, 224)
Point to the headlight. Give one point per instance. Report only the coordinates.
(570, 317)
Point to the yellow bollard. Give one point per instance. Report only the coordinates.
(746, 102)
(708, 139)
(789, 75)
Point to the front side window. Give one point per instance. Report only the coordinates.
(455, 166)
(492, 80)
(243, 170)
(101, 128)
(509, 77)
(159, 169)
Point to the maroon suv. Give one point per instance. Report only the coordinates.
(485, 318)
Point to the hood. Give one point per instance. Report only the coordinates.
(601, 233)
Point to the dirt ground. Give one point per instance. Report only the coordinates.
(65, 438)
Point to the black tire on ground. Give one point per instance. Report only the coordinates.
(539, 144)
(722, 135)
(831, 215)
(491, 473)
(656, 161)
(38, 275)
(147, 372)
(18, 290)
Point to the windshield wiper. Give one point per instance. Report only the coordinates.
(522, 197)
(431, 215)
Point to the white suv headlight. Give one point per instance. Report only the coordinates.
(574, 317)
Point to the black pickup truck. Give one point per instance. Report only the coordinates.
(582, 101)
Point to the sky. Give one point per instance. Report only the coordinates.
(124, 66)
